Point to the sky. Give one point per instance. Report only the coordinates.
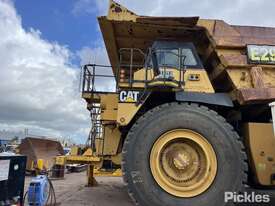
(43, 43)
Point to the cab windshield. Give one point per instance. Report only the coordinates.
(176, 57)
(175, 54)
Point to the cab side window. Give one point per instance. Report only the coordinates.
(188, 57)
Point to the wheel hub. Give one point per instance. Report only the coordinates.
(182, 160)
(183, 163)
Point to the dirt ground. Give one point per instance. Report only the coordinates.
(72, 191)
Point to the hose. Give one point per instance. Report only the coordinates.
(51, 196)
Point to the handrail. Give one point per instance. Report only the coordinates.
(131, 65)
(90, 74)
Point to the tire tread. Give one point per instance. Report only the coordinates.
(234, 135)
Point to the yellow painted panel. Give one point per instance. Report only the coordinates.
(112, 137)
(126, 111)
(261, 143)
(202, 84)
(60, 160)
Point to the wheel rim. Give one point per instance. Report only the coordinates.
(183, 163)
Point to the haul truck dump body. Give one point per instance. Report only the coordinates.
(189, 119)
(222, 48)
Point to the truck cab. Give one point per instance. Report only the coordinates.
(167, 64)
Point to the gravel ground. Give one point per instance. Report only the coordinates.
(71, 191)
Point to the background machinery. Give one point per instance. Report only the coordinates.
(189, 119)
(40, 153)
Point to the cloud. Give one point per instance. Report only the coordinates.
(97, 54)
(86, 7)
(38, 83)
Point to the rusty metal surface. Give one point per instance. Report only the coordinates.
(257, 77)
(168, 21)
(234, 60)
(227, 35)
(37, 148)
(255, 95)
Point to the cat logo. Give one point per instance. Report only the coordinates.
(128, 96)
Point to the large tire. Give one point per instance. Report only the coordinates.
(231, 159)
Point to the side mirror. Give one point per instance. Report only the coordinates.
(155, 64)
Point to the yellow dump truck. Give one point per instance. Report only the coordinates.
(190, 119)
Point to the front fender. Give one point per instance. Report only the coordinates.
(221, 99)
